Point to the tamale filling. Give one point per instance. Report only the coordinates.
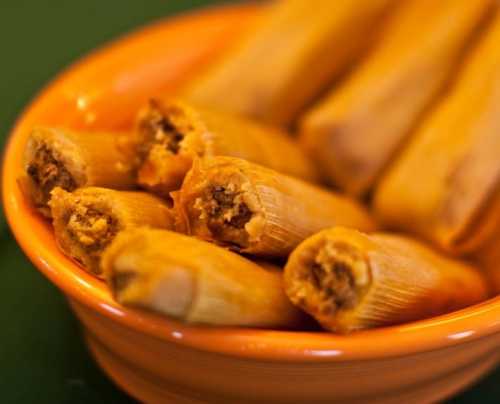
(47, 172)
(92, 229)
(227, 214)
(338, 274)
(159, 131)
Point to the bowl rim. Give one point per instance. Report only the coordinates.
(462, 326)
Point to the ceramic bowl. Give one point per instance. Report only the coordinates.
(159, 360)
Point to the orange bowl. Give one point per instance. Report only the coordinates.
(159, 360)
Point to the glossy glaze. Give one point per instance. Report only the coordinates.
(142, 351)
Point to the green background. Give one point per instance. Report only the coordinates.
(42, 357)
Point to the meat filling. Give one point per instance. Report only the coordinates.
(48, 173)
(227, 214)
(158, 130)
(338, 273)
(93, 230)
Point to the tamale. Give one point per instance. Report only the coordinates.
(68, 159)
(195, 281)
(294, 50)
(171, 133)
(356, 130)
(256, 210)
(351, 281)
(445, 185)
(88, 219)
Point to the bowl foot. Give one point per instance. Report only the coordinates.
(139, 384)
(148, 389)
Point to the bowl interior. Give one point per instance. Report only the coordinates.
(103, 91)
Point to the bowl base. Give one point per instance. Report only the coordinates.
(141, 385)
(148, 389)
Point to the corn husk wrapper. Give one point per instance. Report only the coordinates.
(351, 281)
(256, 210)
(88, 219)
(64, 158)
(294, 51)
(195, 281)
(171, 133)
(445, 185)
(358, 128)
